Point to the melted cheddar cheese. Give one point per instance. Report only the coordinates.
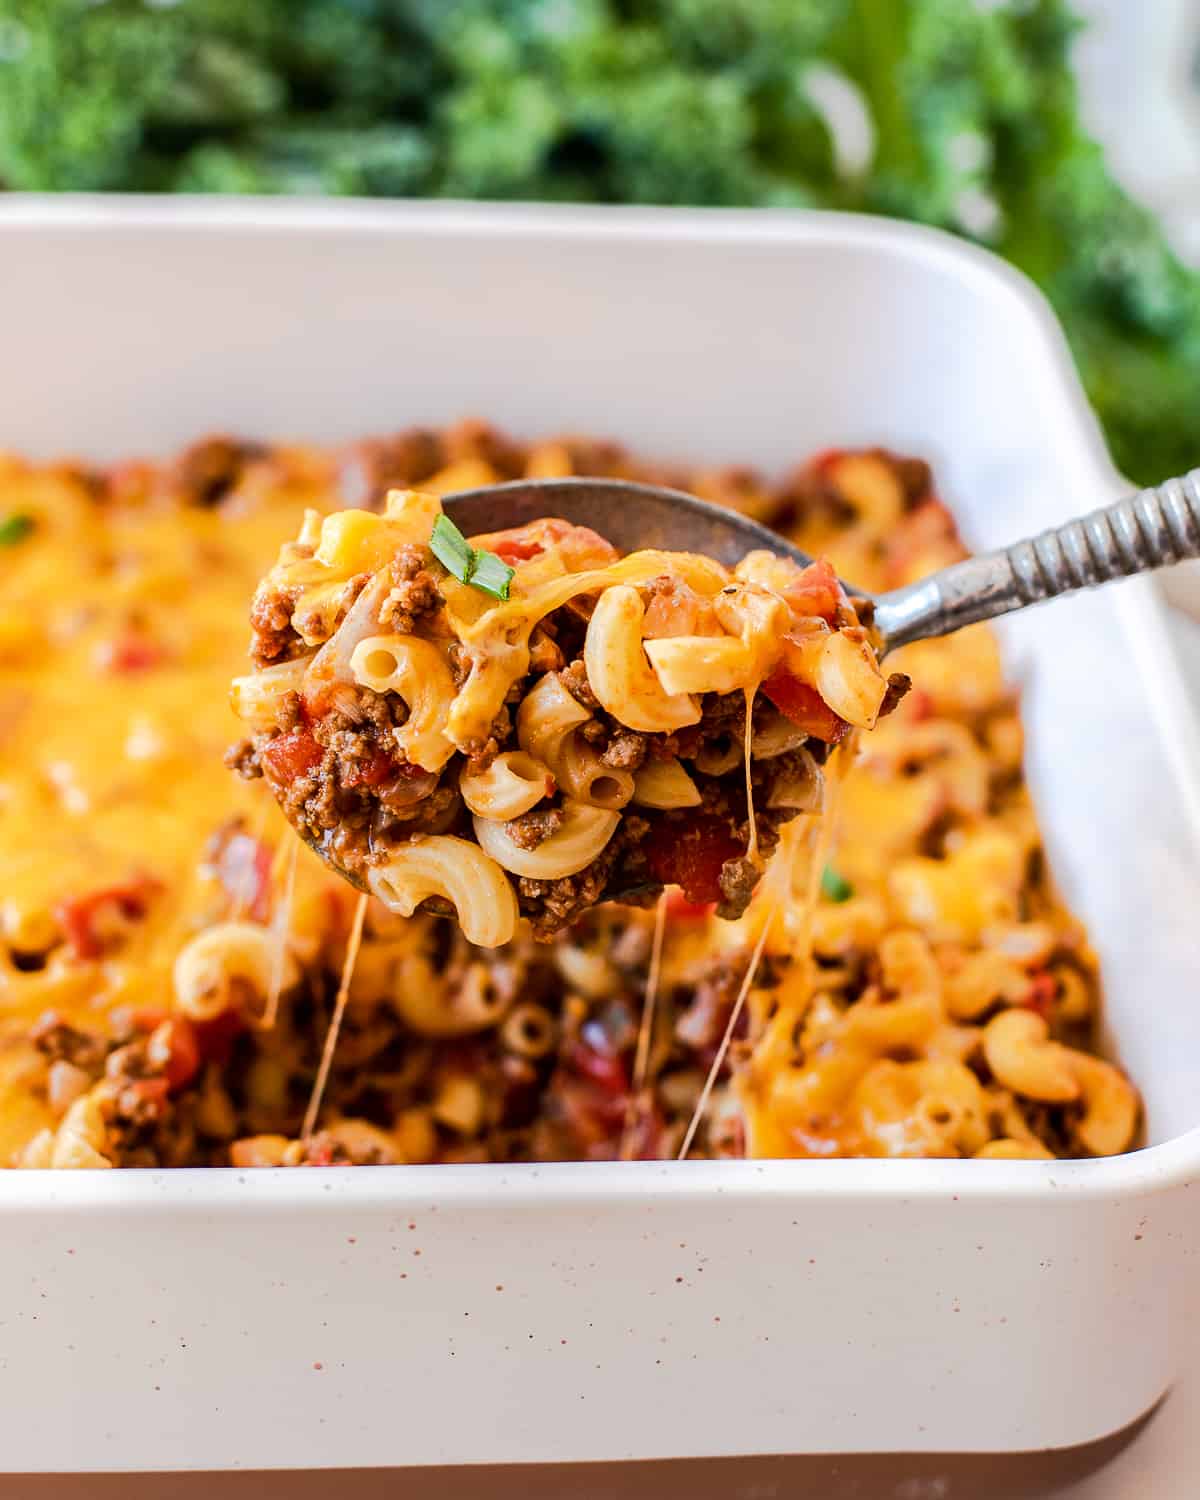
(121, 628)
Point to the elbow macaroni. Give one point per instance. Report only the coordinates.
(208, 968)
(548, 724)
(456, 871)
(416, 672)
(584, 833)
(514, 782)
(665, 783)
(258, 697)
(618, 671)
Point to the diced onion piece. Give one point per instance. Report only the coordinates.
(803, 790)
(849, 680)
(701, 663)
(775, 734)
(256, 698)
(332, 662)
(664, 783)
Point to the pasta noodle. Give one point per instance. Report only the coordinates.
(549, 722)
(514, 782)
(665, 783)
(417, 673)
(614, 653)
(578, 841)
(216, 961)
(450, 869)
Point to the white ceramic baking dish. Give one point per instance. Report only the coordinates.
(485, 1314)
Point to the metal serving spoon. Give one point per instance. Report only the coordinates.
(1146, 530)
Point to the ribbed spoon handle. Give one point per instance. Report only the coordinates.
(1146, 530)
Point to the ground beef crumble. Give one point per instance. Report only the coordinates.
(368, 469)
(553, 904)
(207, 471)
(60, 1042)
(414, 591)
(737, 880)
(243, 759)
(534, 828)
(481, 753)
(575, 679)
(898, 684)
(619, 748)
(626, 750)
(271, 623)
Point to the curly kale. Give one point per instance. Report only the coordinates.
(971, 114)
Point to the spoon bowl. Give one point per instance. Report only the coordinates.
(1146, 530)
(630, 516)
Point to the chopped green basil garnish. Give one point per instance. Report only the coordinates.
(452, 549)
(835, 887)
(491, 574)
(15, 528)
(482, 570)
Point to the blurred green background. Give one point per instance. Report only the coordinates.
(958, 113)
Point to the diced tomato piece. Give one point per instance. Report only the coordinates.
(151, 1091)
(290, 756)
(805, 707)
(580, 546)
(821, 463)
(215, 1038)
(593, 1114)
(243, 865)
(131, 653)
(646, 1134)
(679, 610)
(692, 857)
(176, 1048)
(516, 549)
(320, 1154)
(1043, 991)
(86, 920)
(374, 770)
(603, 1068)
(183, 1061)
(315, 703)
(680, 909)
(145, 1018)
(406, 771)
(816, 592)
